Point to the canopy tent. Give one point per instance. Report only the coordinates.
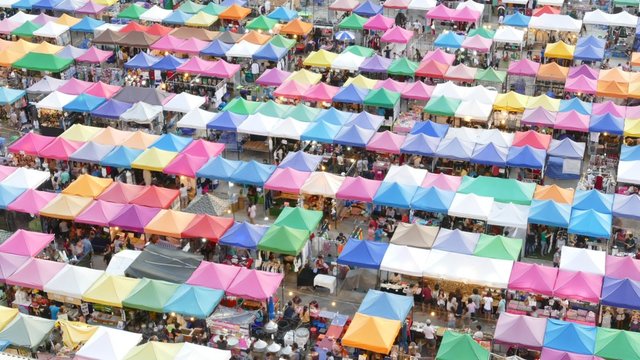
(287, 180)
(368, 9)
(322, 184)
(358, 188)
(35, 273)
(371, 333)
(456, 241)
(254, 284)
(624, 206)
(502, 190)
(621, 293)
(213, 275)
(593, 200)
(420, 144)
(164, 264)
(196, 119)
(471, 206)
(526, 157)
(185, 165)
(533, 278)
(169, 223)
(120, 157)
(460, 346)
(284, 240)
(112, 109)
(87, 186)
(616, 344)
(571, 337)
(252, 173)
(490, 154)
(184, 103)
(509, 215)
(153, 159)
(521, 330)
(155, 197)
(298, 218)
(218, 168)
(27, 331)
(395, 195)
(549, 212)
(30, 144)
(65, 207)
(71, 282)
(108, 344)
(406, 260)
(25, 243)
(385, 305)
(25, 178)
(498, 247)
(362, 254)
(150, 295)
(141, 113)
(566, 148)
(99, 213)
(414, 235)
(134, 218)
(578, 285)
(31, 201)
(121, 193)
(573, 121)
(195, 301)
(432, 199)
(10, 264)
(590, 261)
(459, 267)
(590, 223)
(243, 235)
(207, 227)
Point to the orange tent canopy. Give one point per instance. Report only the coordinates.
(111, 136)
(140, 140)
(88, 186)
(634, 86)
(371, 333)
(635, 59)
(552, 72)
(555, 193)
(296, 27)
(235, 12)
(255, 37)
(156, 197)
(169, 223)
(616, 74)
(614, 89)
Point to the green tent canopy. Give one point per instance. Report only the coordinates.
(241, 106)
(284, 240)
(43, 62)
(150, 295)
(382, 98)
(353, 21)
(483, 31)
(262, 23)
(302, 112)
(456, 346)
(298, 218)
(27, 331)
(617, 344)
(132, 12)
(283, 42)
(360, 50)
(403, 66)
(491, 75)
(498, 247)
(26, 29)
(214, 9)
(442, 106)
(626, 2)
(273, 109)
(190, 7)
(501, 190)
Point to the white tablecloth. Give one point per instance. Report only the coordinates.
(326, 281)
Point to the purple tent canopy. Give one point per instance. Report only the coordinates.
(134, 218)
(100, 213)
(111, 109)
(624, 293)
(457, 241)
(520, 330)
(626, 206)
(584, 70)
(375, 64)
(273, 77)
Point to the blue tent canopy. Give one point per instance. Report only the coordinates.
(301, 161)
(395, 194)
(353, 135)
(432, 199)
(71, 52)
(626, 206)
(9, 96)
(244, 235)
(430, 128)
(168, 63)
(571, 337)
(576, 104)
(490, 154)
(87, 25)
(252, 173)
(142, 61)
(420, 144)
(449, 40)
(178, 17)
(368, 9)
(366, 120)
(91, 152)
(226, 121)
(593, 199)
(171, 142)
(46, 4)
(334, 116)
(455, 148)
(517, 20)
(624, 293)
(232, 2)
(567, 149)
(121, 157)
(351, 95)
(111, 109)
(549, 212)
(217, 48)
(363, 253)
(218, 168)
(526, 157)
(24, 4)
(321, 131)
(270, 52)
(283, 14)
(606, 123)
(195, 301)
(84, 103)
(8, 194)
(588, 53)
(386, 305)
(630, 153)
(590, 223)
(591, 41)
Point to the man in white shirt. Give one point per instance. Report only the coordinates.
(478, 335)
(255, 69)
(430, 337)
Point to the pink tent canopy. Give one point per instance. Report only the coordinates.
(532, 138)
(60, 149)
(167, 43)
(95, 56)
(214, 276)
(609, 106)
(583, 70)
(386, 142)
(397, 35)
(185, 165)
(31, 144)
(581, 84)
(533, 278)
(291, 89)
(477, 43)
(273, 77)
(440, 12)
(26, 243)
(417, 91)
(9, 263)
(465, 14)
(43, 18)
(31, 201)
(440, 56)
(122, 193)
(578, 285)
(522, 330)
(91, 8)
(539, 116)
(550, 354)
(358, 188)
(222, 69)
(390, 84)
(7, 26)
(35, 273)
(203, 148)
(103, 90)
(396, 4)
(379, 22)
(287, 180)
(6, 171)
(196, 66)
(572, 120)
(192, 46)
(442, 181)
(622, 267)
(524, 67)
(100, 213)
(344, 5)
(255, 284)
(632, 112)
(461, 72)
(75, 87)
(321, 92)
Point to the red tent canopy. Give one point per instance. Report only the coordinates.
(207, 227)
(156, 197)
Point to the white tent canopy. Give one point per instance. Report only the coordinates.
(596, 17)
(515, 2)
(323, 184)
(108, 26)
(482, 94)
(471, 5)
(474, 110)
(585, 260)
(555, 22)
(422, 4)
(415, 235)
(141, 113)
(449, 239)
(465, 268)
(496, 137)
(258, 124)
(289, 128)
(557, 3)
(190, 351)
(623, 19)
(109, 344)
(72, 281)
(7, 3)
(46, 85)
(347, 61)
(51, 30)
(405, 260)
(451, 91)
(155, 14)
(184, 102)
(72, 4)
(26, 178)
(629, 172)
(121, 261)
(509, 35)
(55, 101)
(405, 175)
(471, 206)
(21, 17)
(243, 49)
(196, 119)
(510, 215)
(463, 133)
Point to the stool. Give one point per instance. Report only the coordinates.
(314, 332)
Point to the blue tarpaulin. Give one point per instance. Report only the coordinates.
(430, 128)
(8, 194)
(368, 9)
(178, 17)
(91, 152)
(555, 168)
(351, 95)
(218, 168)
(142, 61)
(395, 194)
(526, 157)
(363, 253)
(623, 293)
(87, 25)
(420, 144)
(111, 109)
(171, 142)
(283, 14)
(121, 157)
(270, 52)
(593, 199)
(194, 301)
(301, 161)
(386, 305)
(432, 199)
(626, 206)
(334, 116)
(84, 103)
(244, 235)
(571, 337)
(321, 131)
(226, 121)
(576, 104)
(549, 212)
(252, 173)
(449, 40)
(168, 63)
(590, 223)
(490, 154)
(217, 48)
(517, 20)
(630, 153)
(606, 123)
(455, 148)
(353, 135)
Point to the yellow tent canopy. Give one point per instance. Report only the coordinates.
(362, 82)
(110, 290)
(169, 223)
(23, 46)
(140, 140)
(105, 2)
(511, 101)
(111, 136)
(5, 44)
(371, 333)
(201, 19)
(321, 58)
(6, 316)
(67, 20)
(154, 350)
(632, 127)
(543, 101)
(87, 186)
(153, 159)
(75, 333)
(47, 48)
(559, 50)
(635, 59)
(79, 132)
(634, 86)
(66, 207)
(555, 193)
(305, 76)
(8, 57)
